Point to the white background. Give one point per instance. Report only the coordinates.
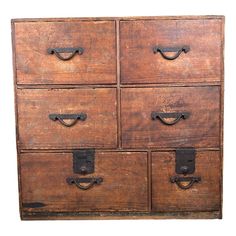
(10, 223)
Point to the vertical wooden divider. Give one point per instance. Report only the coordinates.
(149, 174)
(118, 84)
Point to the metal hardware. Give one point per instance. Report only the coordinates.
(178, 51)
(83, 161)
(179, 181)
(73, 51)
(33, 204)
(61, 117)
(185, 161)
(78, 181)
(185, 164)
(166, 115)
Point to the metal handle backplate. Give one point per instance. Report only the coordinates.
(178, 50)
(166, 115)
(74, 117)
(80, 181)
(72, 52)
(190, 179)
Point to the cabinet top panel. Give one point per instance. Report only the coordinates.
(120, 18)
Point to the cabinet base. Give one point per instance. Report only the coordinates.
(118, 215)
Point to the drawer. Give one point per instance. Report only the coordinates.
(44, 51)
(170, 117)
(201, 196)
(148, 49)
(45, 188)
(67, 118)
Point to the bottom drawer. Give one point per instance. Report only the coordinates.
(44, 186)
(201, 196)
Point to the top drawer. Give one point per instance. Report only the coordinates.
(167, 51)
(44, 52)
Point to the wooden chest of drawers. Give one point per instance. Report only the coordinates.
(119, 117)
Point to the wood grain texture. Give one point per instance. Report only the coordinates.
(140, 65)
(130, 18)
(119, 215)
(97, 65)
(201, 129)
(203, 196)
(36, 130)
(124, 186)
(118, 80)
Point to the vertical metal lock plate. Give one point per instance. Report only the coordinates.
(83, 161)
(185, 161)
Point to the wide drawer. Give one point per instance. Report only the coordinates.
(67, 118)
(170, 51)
(45, 187)
(170, 117)
(44, 51)
(202, 196)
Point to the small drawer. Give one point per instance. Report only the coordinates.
(171, 51)
(67, 118)
(170, 117)
(202, 195)
(46, 186)
(82, 52)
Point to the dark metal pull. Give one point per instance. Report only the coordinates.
(176, 115)
(62, 117)
(78, 181)
(72, 52)
(178, 180)
(178, 51)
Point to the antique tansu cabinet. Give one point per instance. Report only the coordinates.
(119, 117)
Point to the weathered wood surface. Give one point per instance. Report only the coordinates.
(36, 130)
(201, 129)
(201, 64)
(110, 83)
(119, 215)
(202, 196)
(97, 65)
(124, 186)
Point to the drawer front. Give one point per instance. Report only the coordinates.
(202, 196)
(170, 117)
(67, 118)
(148, 49)
(41, 48)
(44, 183)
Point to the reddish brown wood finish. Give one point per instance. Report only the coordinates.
(140, 65)
(36, 130)
(34, 65)
(124, 186)
(203, 196)
(201, 129)
(118, 81)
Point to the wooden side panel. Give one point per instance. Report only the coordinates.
(36, 130)
(201, 129)
(201, 64)
(97, 65)
(203, 196)
(124, 186)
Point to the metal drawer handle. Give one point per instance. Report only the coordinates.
(178, 51)
(73, 117)
(78, 181)
(72, 52)
(178, 180)
(176, 115)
